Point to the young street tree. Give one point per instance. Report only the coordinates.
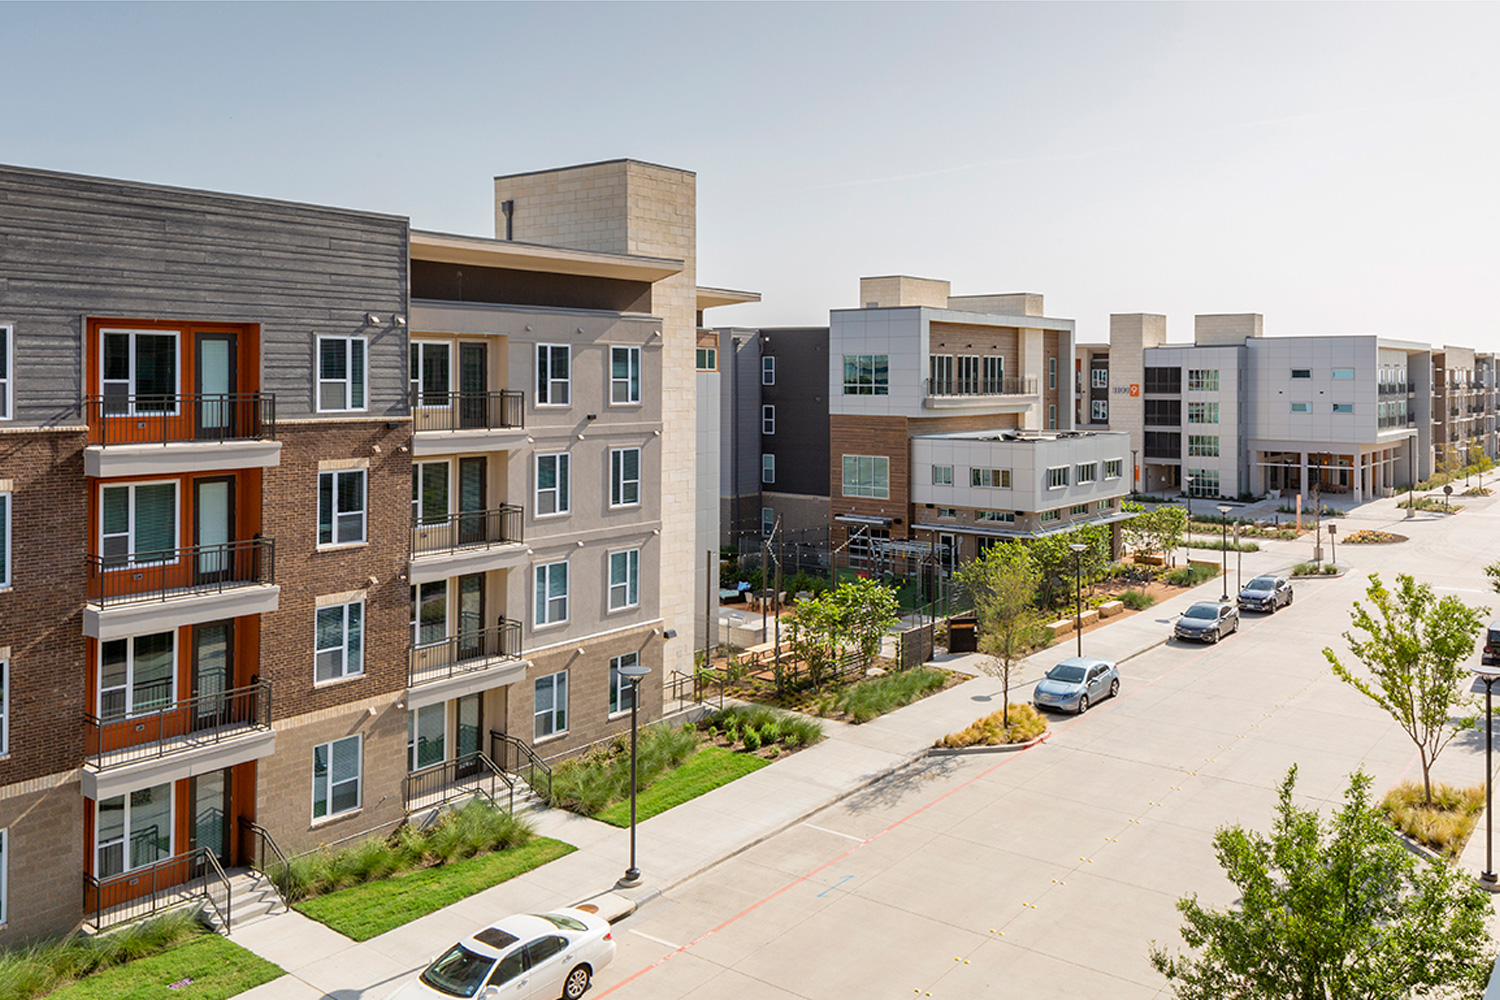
(1414, 653)
(1332, 911)
(1004, 584)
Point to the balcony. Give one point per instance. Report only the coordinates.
(1396, 388)
(467, 542)
(444, 422)
(133, 435)
(151, 591)
(470, 661)
(979, 386)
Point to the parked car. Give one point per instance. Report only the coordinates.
(1491, 653)
(1208, 621)
(1075, 683)
(536, 955)
(1266, 593)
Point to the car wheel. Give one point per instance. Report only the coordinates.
(577, 983)
(1236, 626)
(1289, 596)
(1083, 703)
(1114, 687)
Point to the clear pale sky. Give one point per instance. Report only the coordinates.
(1332, 167)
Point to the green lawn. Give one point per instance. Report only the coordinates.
(363, 911)
(216, 967)
(704, 771)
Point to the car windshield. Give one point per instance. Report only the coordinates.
(1261, 583)
(1066, 672)
(1201, 611)
(459, 972)
(563, 923)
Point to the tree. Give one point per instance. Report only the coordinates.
(868, 610)
(1332, 911)
(856, 613)
(1003, 583)
(1414, 653)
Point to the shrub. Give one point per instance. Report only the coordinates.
(1446, 825)
(788, 729)
(874, 697)
(1191, 575)
(1306, 569)
(1330, 570)
(752, 740)
(1026, 723)
(588, 783)
(1137, 600)
(38, 969)
(774, 752)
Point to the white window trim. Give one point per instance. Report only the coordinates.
(622, 682)
(617, 480)
(1065, 477)
(767, 528)
(345, 672)
(768, 371)
(430, 518)
(1089, 468)
(4, 747)
(419, 348)
(347, 381)
(768, 469)
(633, 365)
(5, 571)
(873, 494)
(567, 596)
(416, 614)
(130, 709)
(936, 481)
(364, 511)
(130, 381)
(1099, 378)
(564, 503)
(567, 383)
(130, 563)
(412, 729)
(1100, 410)
(768, 419)
(566, 708)
(632, 575)
(7, 411)
(359, 794)
(1119, 466)
(125, 865)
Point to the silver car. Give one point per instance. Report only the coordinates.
(1075, 683)
(1266, 593)
(1208, 621)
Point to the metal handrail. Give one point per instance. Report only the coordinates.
(467, 529)
(960, 386)
(186, 724)
(525, 757)
(216, 873)
(445, 780)
(141, 892)
(161, 419)
(191, 569)
(464, 652)
(281, 879)
(462, 411)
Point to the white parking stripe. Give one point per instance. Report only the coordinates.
(658, 940)
(822, 829)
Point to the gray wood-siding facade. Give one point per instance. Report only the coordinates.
(74, 247)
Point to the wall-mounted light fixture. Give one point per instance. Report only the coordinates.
(371, 319)
(399, 320)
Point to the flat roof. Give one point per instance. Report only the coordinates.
(481, 251)
(709, 297)
(1011, 434)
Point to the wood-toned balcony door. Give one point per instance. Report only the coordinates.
(214, 364)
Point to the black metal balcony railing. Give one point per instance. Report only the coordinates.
(1396, 388)
(458, 654)
(466, 411)
(1394, 420)
(980, 386)
(467, 529)
(176, 725)
(235, 416)
(193, 569)
(162, 885)
(466, 776)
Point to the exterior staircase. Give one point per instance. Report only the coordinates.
(252, 897)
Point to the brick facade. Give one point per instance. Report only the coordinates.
(44, 857)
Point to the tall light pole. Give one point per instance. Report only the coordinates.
(1224, 549)
(1488, 674)
(634, 674)
(1333, 548)
(1135, 473)
(1078, 550)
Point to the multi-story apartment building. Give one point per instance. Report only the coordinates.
(1463, 406)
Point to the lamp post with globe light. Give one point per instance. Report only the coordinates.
(635, 675)
(1224, 549)
(1489, 675)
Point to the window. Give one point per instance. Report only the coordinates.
(1052, 416)
(951, 512)
(429, 492)
(4, 540)
(768, 370)
(768, 468)
(995, 479)
(341, 374)
(553, 378)
(767, 521)
(139, 371)
(336, 769)
(6, 335)
(135, 674)
(940, 373)
(340, 641)
(426, 733)
(341, 507)
(552, 494)
(1203, 446)
(1052, 373)
(1078, 509)
(1099, 378)
(1203, 413)
(1345, 374)
(551, 593)
(624, 579)
(1114, 468)
(867, 374)
(768, 420)
(1203, 380)
(1160, 444)
(4, 749)
(1301, 407)
(621, 691)
(138, 524)
(1343, 407)
(1088, 472)
(624, 375)
(1202, 482)
(708, 359)
(624, 477)
(942, 475)
(4, 876)
(1003, 516)
(133, 830)
(1101, 411)
(430, 372)
(1301, 373)
(1049, 515)
(1057, 478)
(551, 705)
(429, 613)
(968, 374)
(1104, 505)
(1160, 379)
(994, 374)
(867, 476)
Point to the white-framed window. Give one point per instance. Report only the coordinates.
(867, 374)
(343, 373)
(624, 579)
(551, 588)
(949, 512)
(1052, 416)
(429, 613)
(132, 830)
(1301, 373)
(768, 468)
(341, 507)
(426, 736)
(1057, 478)
(624, 375)
(4, 748)
(1203, 413)
(1203, 482)
(552, 492)
(340, 643)
(550, 705)
(767, 521)
(621, 691)
(138, 524)
(1088, 472)
(336, 776)
(1343, 407)
(1104, 505)
(1345, 374)
(768, 419)
(939, 373)
(138, 371)
(1002, 516)
(942, 475)
(1052, 373)
(554, 386)
(994, 374)
(136, 674)
(708, 359)
(5, 504)
(1203, 446)
(429, 492)
(768, 370)
(867, 476)
(1203, 380)
(624, 477)
(1114, 468)
(1049, 515)
(7, 344)
(431, 372)
(1099, 378)
(1100, 410)
(994, 479)
(1301, 407)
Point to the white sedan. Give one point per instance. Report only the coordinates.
(532, 955)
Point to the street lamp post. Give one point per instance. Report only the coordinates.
(1488, 674)
(635, 675)
(1224, 549)
(1333, 548)
(1135, 473)
(1078, 550)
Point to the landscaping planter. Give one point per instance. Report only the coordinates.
(1003, 748)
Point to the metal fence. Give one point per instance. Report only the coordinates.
(192, 569)
(463, 652)
(462, 411)
(203, 719)
(467, 529)
(141, 419)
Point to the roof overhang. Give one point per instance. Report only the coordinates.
(478, 251)
(863, 520)
(708, 298)
(1021, 533)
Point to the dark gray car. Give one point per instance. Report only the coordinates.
(1266, 593)
(1208, 621)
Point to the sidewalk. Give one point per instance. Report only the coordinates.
(676, 845)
